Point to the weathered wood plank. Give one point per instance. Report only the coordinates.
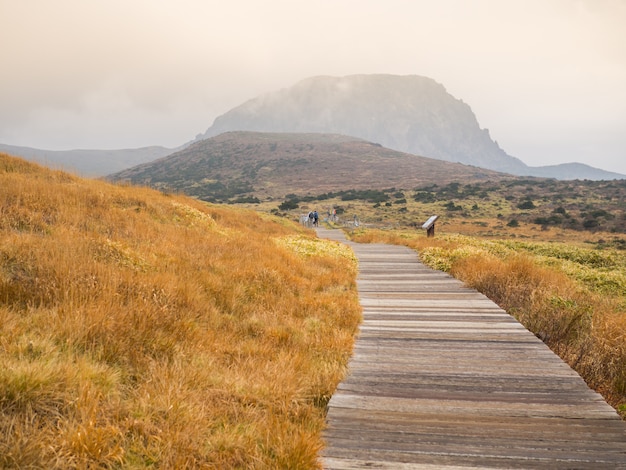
(441, 377)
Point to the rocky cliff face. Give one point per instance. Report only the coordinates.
(412, 114)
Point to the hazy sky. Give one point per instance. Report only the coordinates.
(546, 77)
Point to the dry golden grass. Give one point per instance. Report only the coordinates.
(572, 297)
(139, 329)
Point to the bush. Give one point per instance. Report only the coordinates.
(527, 204)
(424, 197)
(451, 206)
(288, 205)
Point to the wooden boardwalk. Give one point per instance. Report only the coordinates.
(442, 378)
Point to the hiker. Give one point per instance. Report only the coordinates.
(311, 218)
(315, 218)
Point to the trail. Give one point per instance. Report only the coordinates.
(443, 378)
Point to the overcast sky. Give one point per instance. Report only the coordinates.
(546, 77)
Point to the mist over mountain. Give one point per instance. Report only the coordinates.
(411, 114)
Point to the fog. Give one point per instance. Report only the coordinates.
(546, 77)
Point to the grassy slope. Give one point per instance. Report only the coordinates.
(269, 166)
(139, 329)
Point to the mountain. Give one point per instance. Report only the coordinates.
(237, 165)
(574, 171)
(411, 114)
(88, 163)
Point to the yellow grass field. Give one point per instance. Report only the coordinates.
(141, 329)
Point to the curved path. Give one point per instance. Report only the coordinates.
(442, 378)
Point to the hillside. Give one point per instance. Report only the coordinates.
(410, 114)
(241, 165)
(88, 163)
(143, 330)
(574, 171)
(292, 173)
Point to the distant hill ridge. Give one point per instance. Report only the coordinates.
(411, 114)
(271, 165)
(89, 163)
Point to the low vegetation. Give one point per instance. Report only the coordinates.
(571, 296)
(236, 166)
(525, 208)
(139, 329)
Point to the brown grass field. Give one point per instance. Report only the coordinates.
(139, 329)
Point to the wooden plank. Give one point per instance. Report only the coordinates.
(441, 377)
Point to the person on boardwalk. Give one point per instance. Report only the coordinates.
(315, 219)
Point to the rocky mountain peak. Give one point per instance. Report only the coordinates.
(412, 114)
